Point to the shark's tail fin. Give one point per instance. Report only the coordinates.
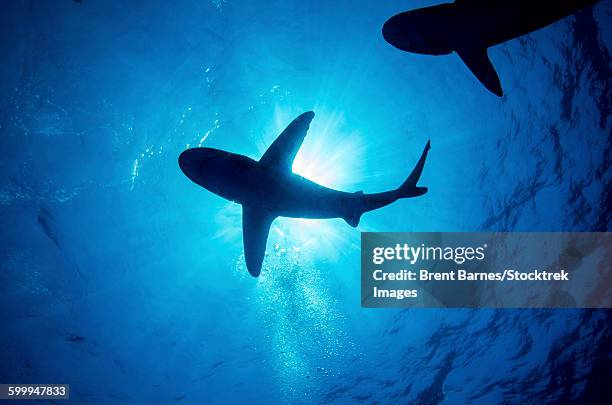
(409, 187)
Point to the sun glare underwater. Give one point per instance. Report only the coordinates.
(124, 279)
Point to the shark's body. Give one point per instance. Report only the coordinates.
(268, 188)
(469, 27)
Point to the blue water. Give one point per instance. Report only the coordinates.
(122, 278)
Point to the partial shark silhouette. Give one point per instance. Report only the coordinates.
(268, 188)
(469, 27)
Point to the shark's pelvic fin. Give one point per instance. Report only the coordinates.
(409, 186)
(282, 152)
(255, 229)
(354, 216)
(478, 61)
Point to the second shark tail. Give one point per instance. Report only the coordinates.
(409, 187)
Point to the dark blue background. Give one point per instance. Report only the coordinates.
(122, 278)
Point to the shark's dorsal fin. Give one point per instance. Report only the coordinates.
(282, 152)
(255, 229)
(478, 61)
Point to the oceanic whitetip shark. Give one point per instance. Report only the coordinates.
(469, 27)
(268, 188)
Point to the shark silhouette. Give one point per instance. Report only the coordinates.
(469, 27)
(268, 188)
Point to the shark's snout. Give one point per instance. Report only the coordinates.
(190, 162)
(391, 31)
(422, 31)
(401, 31)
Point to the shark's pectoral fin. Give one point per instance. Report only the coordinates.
(255, 228)
(478, 61)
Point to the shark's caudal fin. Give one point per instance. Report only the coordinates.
(478, 61)
(409, 187)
